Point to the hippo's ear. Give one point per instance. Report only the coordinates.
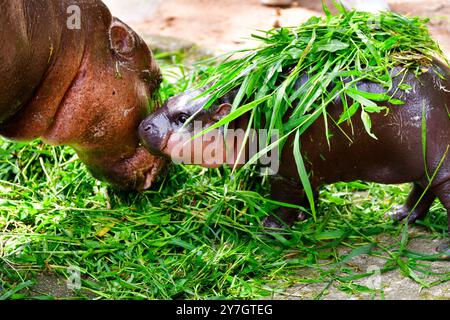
(121, 38)
(222, 111)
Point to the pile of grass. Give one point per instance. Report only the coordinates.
(196, 235)
(335, 52)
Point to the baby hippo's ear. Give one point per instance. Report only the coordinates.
(121, 38)
(222, 111)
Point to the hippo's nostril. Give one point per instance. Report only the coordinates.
(150, 135)
(146, 127)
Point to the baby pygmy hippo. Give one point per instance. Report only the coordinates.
(395, 157)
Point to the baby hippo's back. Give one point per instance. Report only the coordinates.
(396, 155)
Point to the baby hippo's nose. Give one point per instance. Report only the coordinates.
(153, 132)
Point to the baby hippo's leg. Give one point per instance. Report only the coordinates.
(284, 190)
(420, 208)
(442, 191)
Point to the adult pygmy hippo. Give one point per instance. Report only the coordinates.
(395, 157)
(74, 75)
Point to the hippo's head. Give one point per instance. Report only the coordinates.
(102, 80)
(170, 130)
(116, 87)
(124, 91)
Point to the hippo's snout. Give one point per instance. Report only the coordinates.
(153, 132)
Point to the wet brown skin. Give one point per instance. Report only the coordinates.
(395, 157)
(86, 88)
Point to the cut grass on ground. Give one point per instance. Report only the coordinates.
(196, 235)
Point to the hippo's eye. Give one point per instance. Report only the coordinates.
(182, 118)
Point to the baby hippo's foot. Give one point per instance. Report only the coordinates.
(284, 218)
(418, 203)
(444, 249)
(399, 213)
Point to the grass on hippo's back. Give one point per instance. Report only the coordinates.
(197, 234)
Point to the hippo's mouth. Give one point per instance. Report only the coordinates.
(164, 144)
(152, 173)
(150, 176)
(232, 152)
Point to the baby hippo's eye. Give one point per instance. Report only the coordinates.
(182, 118)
